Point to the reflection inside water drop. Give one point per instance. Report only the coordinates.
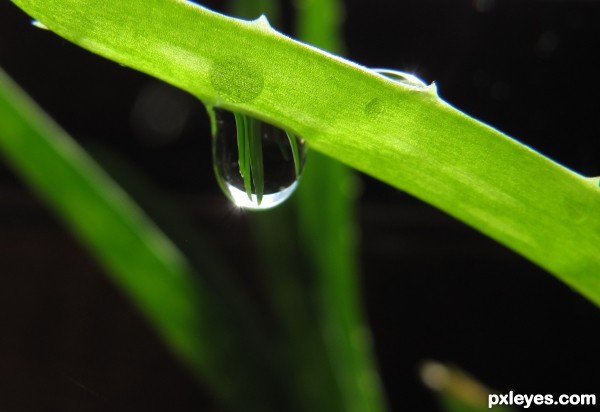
(256, 164)
(241, 199)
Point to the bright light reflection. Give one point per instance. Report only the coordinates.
(270, 200)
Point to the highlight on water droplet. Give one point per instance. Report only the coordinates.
(402, 77)
(39, 25)
(256, 164)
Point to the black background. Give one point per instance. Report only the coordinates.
(433, 288)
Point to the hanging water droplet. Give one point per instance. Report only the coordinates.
(257, 165)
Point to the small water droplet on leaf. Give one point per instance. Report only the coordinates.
(407, 79)
(402, 77)
(256, 164)
(375, 108)
(39, 25)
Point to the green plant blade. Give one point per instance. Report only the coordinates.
(406, 137)
(139, 258)
(293, 278)
(240, 126)
(256, 157)
(243, 145)
(146, 263)
(326, 210)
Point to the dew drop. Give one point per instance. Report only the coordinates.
(256, 164)
(403, 77)
(407, 79)
(376, 107)
(38, 24)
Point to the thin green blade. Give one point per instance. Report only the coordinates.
(129, 245)
(295, 152)
(256, 157)
(242, 124)
(329, 230)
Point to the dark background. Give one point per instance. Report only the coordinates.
(433, 288)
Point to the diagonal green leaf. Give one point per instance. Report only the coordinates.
(147, 264)
(141, 260)
(406, 137)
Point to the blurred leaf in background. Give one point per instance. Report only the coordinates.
(189, 311)
(310, 253)
(456, 390)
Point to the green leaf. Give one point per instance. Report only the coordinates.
(326, 210)
(241, 125)
(406, 137)
(250, 156)
(256, 157)
(146, 263)
(189, 315)
(312, 279)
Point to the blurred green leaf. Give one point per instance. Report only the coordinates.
(457, 391)
(101, 214)
(196, 326)
(325, 207)
(336, 341)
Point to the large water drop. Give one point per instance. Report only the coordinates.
(257, 164)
